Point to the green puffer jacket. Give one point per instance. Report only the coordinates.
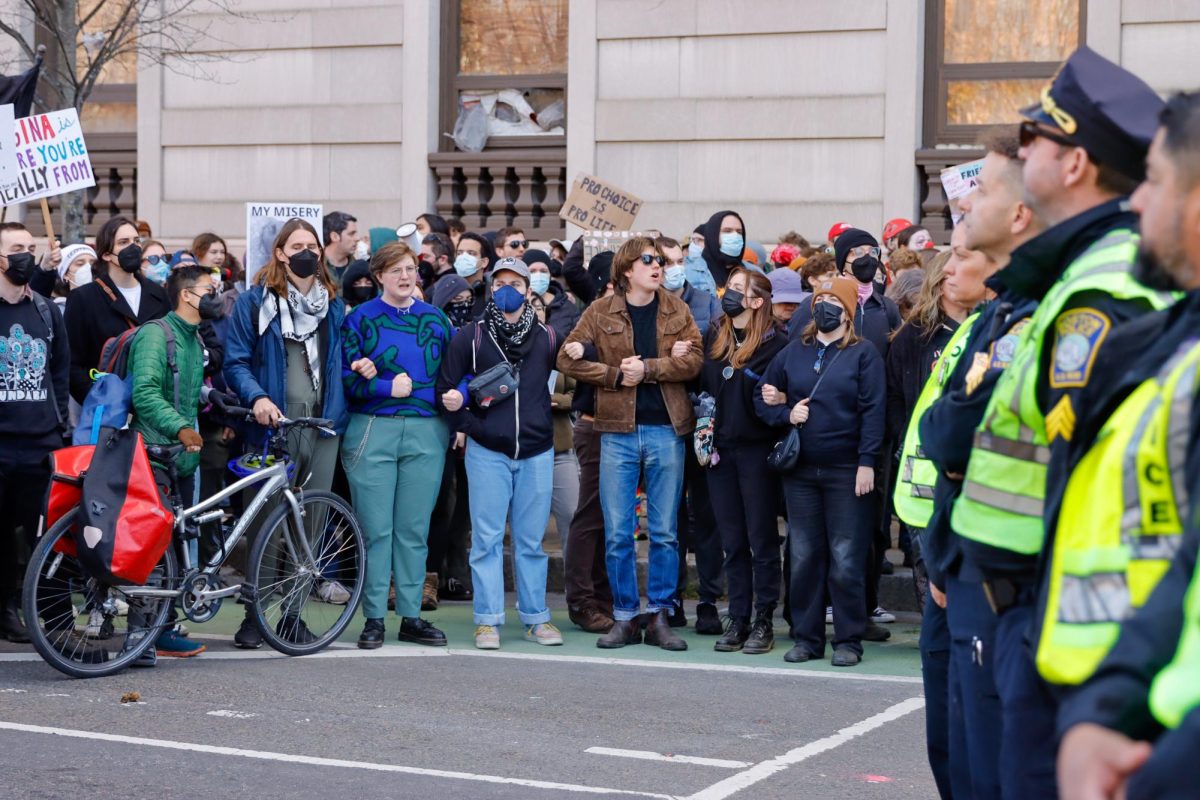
(155, 415)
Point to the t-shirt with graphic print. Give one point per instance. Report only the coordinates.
(31, 357)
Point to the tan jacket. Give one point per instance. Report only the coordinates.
(607, 326)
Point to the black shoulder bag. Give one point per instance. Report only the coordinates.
(786, 453)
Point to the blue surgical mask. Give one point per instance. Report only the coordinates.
(466, 265)
(539, 282)
(695, 250)
(673, 278)
(508, 299)
(158, 272)
(732, 244)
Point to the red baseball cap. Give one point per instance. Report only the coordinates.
(894, 226)
(837, 230)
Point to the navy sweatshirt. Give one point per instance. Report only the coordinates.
(847, 413)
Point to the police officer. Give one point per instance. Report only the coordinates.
(1148, 682)
(995, 222)
(1084, 146)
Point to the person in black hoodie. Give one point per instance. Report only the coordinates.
(832, 376)
(724, 243)
(357, 284)
(510, 452)
(743, 490)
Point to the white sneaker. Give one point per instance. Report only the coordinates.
(122, 607)
(828, 615)
(487, 637)
(544, 634)
(98, 627)
(882, 615)
(333, 592)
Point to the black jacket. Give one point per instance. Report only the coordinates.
(33, 384)
(874, 321)
(909, 362)
(846, 415)
(95, 313)
(561, 314)
(521, 426)
(719, 264)
(736, 421)
(575, 273)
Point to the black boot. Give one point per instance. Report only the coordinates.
(372, 635)
(623, 632)
(708, 621)
(292, 629)
(762, 636)
(11, 627)
(659, 633)
(418, 631)
(247, 636)
(735, 636)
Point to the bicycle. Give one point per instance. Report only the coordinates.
(309, 538)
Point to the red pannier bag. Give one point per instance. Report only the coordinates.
(67, 468)
(126, 523)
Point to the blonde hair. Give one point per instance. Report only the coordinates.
(927, 312)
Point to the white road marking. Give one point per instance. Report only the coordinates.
(225, 712)
(322, 762)
(649, 755)
(765, 769)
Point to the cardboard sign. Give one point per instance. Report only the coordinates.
(263, 221)
(605, 242)
(958, 182)
(598, 206)
(51, 156)
(8, 146)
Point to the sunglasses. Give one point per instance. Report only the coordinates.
(1028, 131)
(648, 259)
(154, 261)
(515, 243)
(820, 360)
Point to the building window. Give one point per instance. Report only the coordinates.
(506, 61)
(985, 59)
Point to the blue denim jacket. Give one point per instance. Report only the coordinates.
(697, 274)
(256, 366)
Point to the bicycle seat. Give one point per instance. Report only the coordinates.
(163, 452)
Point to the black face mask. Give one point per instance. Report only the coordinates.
(865, 268)
(827, 316)
(21, 268)
(731, 303)
(460, 313)
(303, 264)
(357, 295)
(130, 259)
(211, 307)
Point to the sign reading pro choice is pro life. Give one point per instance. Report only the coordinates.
(51, 157)
(598, 206)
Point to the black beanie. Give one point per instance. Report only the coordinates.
(600, 268)
(850, 239)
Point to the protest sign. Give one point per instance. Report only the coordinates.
(51, 156)
(605, 242)
(958, 182)
(263, 221)
(8, 146)
(598, 206)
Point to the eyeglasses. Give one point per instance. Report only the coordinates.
(698, 241)
(396, 272)
(515, 243)
(1028, 131)
(648, 259)
(154, 261)
(863, 250)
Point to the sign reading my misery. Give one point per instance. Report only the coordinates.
(52, 158)
(598, 206)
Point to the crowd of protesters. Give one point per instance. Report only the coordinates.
(1023, 400)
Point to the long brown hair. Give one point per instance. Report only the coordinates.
(273, 275)
(809, 334)
(927, 313)
(725, 346)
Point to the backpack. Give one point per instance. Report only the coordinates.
(43, 309)
(109, 403)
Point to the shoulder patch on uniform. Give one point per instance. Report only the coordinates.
(1077, 337)
(1003, 349)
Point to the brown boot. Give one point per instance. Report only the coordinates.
(623, 632)
(659, 633)
(429, 600)
(591, 619)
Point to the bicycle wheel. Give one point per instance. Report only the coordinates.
(81, 627)
(295, 573)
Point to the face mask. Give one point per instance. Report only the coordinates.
(130, 259)
(508, 299)
(827, 316)
(211, 307)
(83, 275)
(460, 312)
(357, 295)
(731, 303)
(361, 251)
(732, 244)
(158, 272)
(865, 268)
(673, 278)
(695, 250)
(466, 265)
(21, 268)
(539, 282)
(303, 264)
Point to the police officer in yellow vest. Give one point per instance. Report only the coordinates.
(1084, 145)
(1147, 689)
(958, 620)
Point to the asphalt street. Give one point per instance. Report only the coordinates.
(525, 722)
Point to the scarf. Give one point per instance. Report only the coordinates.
(299, 319)
(511, 336)
(865, 290)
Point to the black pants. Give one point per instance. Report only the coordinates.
(744, 493)
(697, 533)
(586, 572)
(24, 478)
(450, 525)
(828, 536)
(880, 524)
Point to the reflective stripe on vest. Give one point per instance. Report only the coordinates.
(1175, 691)
(914, 491)
(1003, 498)
(1120, 523)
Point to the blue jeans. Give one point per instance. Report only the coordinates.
(623, 457)
(497, 485)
